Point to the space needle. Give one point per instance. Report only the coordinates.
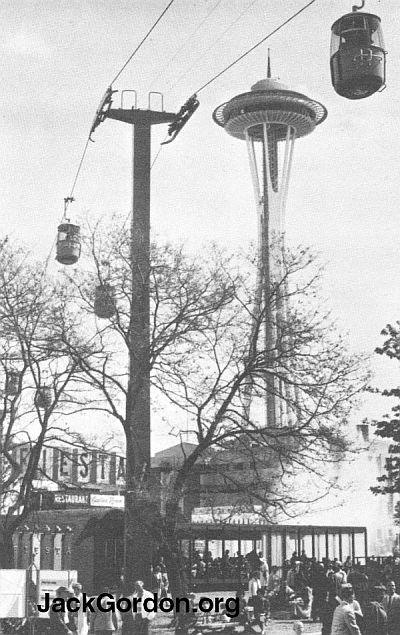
(269, 118)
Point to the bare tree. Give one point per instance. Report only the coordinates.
(202, 363)
(37, 380)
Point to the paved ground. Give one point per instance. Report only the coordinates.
(161, 625)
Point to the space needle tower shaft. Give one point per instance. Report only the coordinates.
(270, 118)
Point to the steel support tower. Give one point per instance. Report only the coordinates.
(137, 555)
(269, 118)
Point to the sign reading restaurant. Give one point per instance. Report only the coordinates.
(65, 500)
(76, 465)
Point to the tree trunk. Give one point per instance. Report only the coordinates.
(177, 574)
(6, 544)
(138, 539)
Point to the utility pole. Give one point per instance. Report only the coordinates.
(137, 549)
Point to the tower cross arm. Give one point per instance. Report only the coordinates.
(137, 116)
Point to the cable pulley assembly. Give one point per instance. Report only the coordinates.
(182, 117)
(102, 110)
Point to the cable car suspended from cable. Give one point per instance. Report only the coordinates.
(358, 56)
(44, 397)
(68, 239)
(104, 301)
(12, 383)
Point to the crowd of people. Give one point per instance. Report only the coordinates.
(223, 567)
(204, 565)
(100, 621)
(347, 598)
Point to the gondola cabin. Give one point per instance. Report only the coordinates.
(12, 383)
(68, 243)
(104, 301)
(44, 397)
(358, 56)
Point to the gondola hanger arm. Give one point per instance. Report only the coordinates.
(67, 201)
(102, 110)
(181, 118)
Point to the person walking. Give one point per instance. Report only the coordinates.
(254, 586)
(59, 620)
(103, 621)
(157, 580)
(359, 581)
(391, 604)
(375, 618)
(344, 619)
(261, 611)
(143, 616)
(79, 617)
(264, 570)
(320, 587)
(338, 577)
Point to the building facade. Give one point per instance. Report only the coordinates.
(79, 525)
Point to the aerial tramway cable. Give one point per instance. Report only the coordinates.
(175, 128)
(208, 83)
(79, 167)
(191, 104)
(188, 39)
(278, 28)
(109, 91)
(228, 28)
(142, 41)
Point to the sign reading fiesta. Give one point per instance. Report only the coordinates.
(76, 465)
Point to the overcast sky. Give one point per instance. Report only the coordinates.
(58, 57)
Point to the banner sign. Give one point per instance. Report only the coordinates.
(57, 551)
(12, 593)
(82, 499)
(36, 549)
(76, 465)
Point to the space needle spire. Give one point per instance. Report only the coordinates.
(270, 118)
